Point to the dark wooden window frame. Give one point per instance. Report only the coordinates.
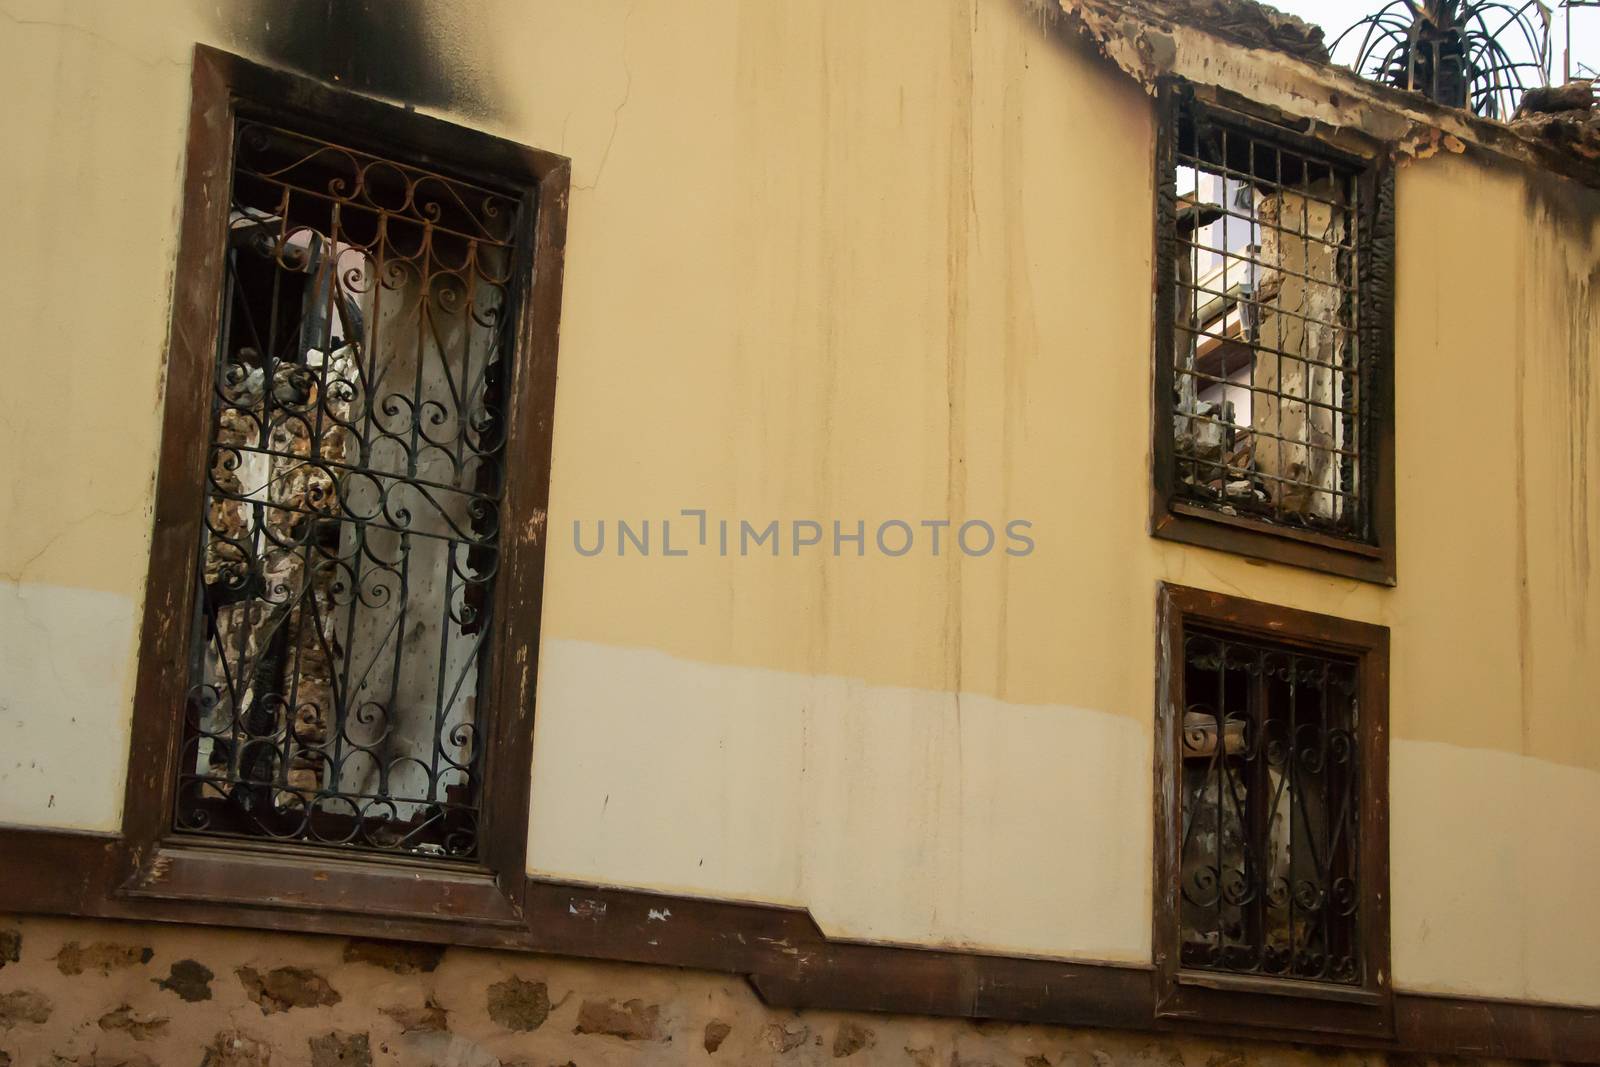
(1174, 519)
(1252, 1000)
(160, 865)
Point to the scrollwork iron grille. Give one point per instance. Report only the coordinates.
(1271, 394)
(1271, 782)
(352, 511)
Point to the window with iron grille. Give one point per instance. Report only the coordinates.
(344, 586)
(352, 501)
(1272, 339)
(1272, 846)
(1271, 774)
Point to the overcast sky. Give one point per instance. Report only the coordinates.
(1335, 15)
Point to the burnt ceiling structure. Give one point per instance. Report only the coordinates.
(1476, 54)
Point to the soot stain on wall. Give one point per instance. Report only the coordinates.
(394, 49)
(1557, 205)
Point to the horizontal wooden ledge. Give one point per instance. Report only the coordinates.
(1193, 525)
(268, 878)
(787, 958)
(1267, 529)
(1277, 987)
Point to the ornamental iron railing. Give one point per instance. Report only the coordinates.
(1477, 54)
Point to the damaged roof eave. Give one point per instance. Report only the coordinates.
(1149, 42)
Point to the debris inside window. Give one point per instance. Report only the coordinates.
(1269, 398)
(1271, 784)
(352, 503)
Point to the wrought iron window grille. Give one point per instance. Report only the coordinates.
(1272, 842)
(352, 510)
(1267, 405)
(1271, 774)
(1271, 329)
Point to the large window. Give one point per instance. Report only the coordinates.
(1272, 847)
(348, 555)
(1272, 342)
(353, 501)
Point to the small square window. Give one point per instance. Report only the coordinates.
(1272, 847)
(1271, 343)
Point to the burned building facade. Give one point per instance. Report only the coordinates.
(1100, 559)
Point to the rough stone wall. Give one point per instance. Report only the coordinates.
(98, 994)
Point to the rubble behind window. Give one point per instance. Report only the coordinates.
(1272, 394)
(352, 511)
(1268, 404)
(1270, 779)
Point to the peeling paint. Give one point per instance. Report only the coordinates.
(533, 528)
(587, 909)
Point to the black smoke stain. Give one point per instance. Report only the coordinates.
(386, 48)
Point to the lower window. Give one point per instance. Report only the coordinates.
(1272, 843)
(353, 478)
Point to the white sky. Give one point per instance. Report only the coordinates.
(1336, 15)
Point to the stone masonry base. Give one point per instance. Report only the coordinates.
(105, 994)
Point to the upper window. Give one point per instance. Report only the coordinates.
(1273, 849)
(1271, 343)
(354, 472)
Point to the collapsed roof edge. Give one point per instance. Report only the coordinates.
(1279, 61)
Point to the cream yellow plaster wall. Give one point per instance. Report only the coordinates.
(1496, 678)
(858, 262)
(97, 99)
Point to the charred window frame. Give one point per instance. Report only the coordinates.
(1272, 871)
(309, 456)
(1273, 432)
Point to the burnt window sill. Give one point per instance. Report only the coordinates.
(1194, 524)
(300, 879)
(1276, 1004)
(1224, 658)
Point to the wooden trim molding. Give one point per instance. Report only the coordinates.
(785, 956)
(159, 864)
